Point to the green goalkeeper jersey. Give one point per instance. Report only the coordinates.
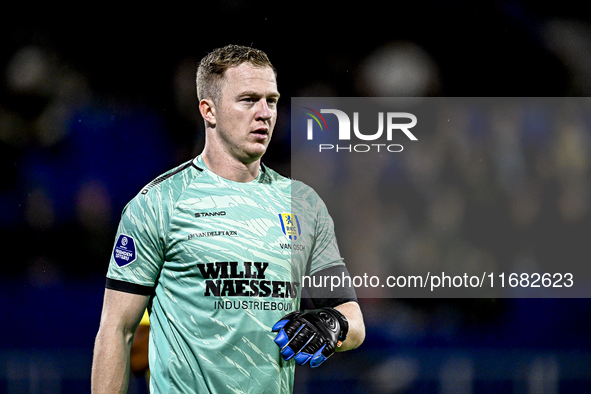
(223, 262)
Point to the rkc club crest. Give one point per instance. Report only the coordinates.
(290, 225)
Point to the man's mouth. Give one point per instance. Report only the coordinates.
(262, 132)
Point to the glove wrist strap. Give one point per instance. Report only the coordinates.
(343, 323)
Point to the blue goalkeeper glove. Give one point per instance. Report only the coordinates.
(311, 335)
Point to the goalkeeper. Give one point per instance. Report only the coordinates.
(216, 249)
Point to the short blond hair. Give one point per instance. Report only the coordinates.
(211, 69)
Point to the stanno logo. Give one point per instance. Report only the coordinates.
(206, 214)
(389, 122)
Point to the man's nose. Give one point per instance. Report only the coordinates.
(263, 111)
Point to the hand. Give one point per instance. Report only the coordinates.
(311, 335)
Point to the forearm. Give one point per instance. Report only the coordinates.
(356, 333)
(110, 366)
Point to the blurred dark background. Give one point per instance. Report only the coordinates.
(95, 103)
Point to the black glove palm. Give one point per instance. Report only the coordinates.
(311, 335)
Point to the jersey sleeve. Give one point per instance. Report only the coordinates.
(138, 253)
(325, 252)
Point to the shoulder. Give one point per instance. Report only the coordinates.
(167, 187)
(298, 189)
(302, 196)
(304, 192)
(179, 176)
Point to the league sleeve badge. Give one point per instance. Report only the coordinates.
(124, 252)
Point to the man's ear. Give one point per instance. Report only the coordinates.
(207, 110)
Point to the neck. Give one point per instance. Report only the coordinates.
(229, 167)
